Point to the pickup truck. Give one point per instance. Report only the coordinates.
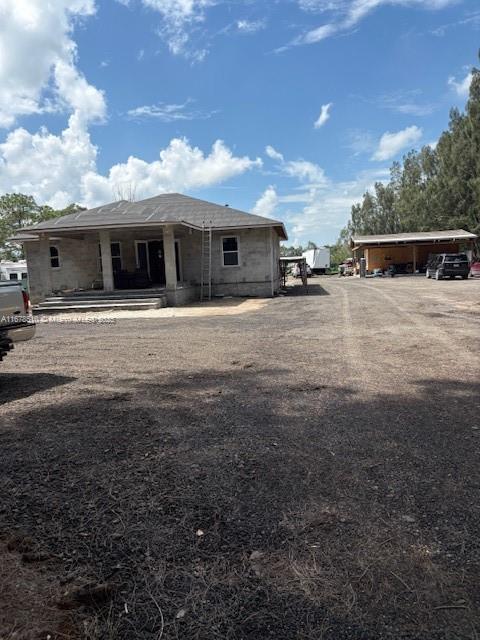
(16, 321)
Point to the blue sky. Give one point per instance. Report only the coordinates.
(290, 108)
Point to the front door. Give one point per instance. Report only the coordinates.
(156, 261)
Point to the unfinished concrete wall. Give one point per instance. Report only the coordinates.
(78, 266)
(259, 251)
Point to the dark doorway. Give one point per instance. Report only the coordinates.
(142, 256)
(157, 261)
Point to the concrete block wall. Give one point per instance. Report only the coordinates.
(79, 262)
(251, 277)
(78, 266)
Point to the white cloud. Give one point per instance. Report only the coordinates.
(324, 115)
(392, 143)
(406, 102)
(267, 203)
(360, 141)
(49, 167)
(60, 169)
(325, 211)
(273, 153)
(321, 5)
(37, 60)
(317, 35)
(305, 171)
(461, 87)
(318, 207)
(348, 13)
(168, 112)
(87, 101)
(251, 26)
(180, 167)
(179, 17)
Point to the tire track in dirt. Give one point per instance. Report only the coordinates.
(354, 355)
(433, 331)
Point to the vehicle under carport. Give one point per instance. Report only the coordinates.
(409, 252)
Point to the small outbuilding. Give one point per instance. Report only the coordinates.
(409, 252)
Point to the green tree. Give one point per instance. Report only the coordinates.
(339, 252)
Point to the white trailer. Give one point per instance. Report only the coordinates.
(318, 259)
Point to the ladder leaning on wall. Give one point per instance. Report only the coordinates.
(206, 267)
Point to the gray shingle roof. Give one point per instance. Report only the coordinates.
(165, 208)
(421, 236)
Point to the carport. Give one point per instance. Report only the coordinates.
(409, 251)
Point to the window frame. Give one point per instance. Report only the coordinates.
(230, 266)
(120, 256)
(57, 257)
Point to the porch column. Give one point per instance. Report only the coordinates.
(45, 267)
(107, 270)
(170, 263)
(272, 261)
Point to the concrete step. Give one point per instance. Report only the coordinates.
(52, 302)
(99, 305)
(120, 295)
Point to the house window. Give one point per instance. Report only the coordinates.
(230, 251)
(116, 251)
(54, 258)
(14, 276)
(24, 276)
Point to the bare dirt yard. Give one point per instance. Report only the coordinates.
(307, 469)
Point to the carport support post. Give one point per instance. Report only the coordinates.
(414, 258)
(170, 263)
(107, 269)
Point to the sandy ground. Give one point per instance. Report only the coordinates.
(305, 469)
(219, 307)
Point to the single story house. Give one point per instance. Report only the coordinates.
(187, 247)
(410, 250)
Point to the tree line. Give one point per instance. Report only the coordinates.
(435, 188)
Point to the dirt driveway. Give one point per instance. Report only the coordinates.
(306, 470)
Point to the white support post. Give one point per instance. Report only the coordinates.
(45, 269)
(107, 269)
(170, 263)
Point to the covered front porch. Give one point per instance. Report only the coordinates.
(162, 260)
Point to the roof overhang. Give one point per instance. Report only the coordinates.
(363, 242)
(32, 233)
